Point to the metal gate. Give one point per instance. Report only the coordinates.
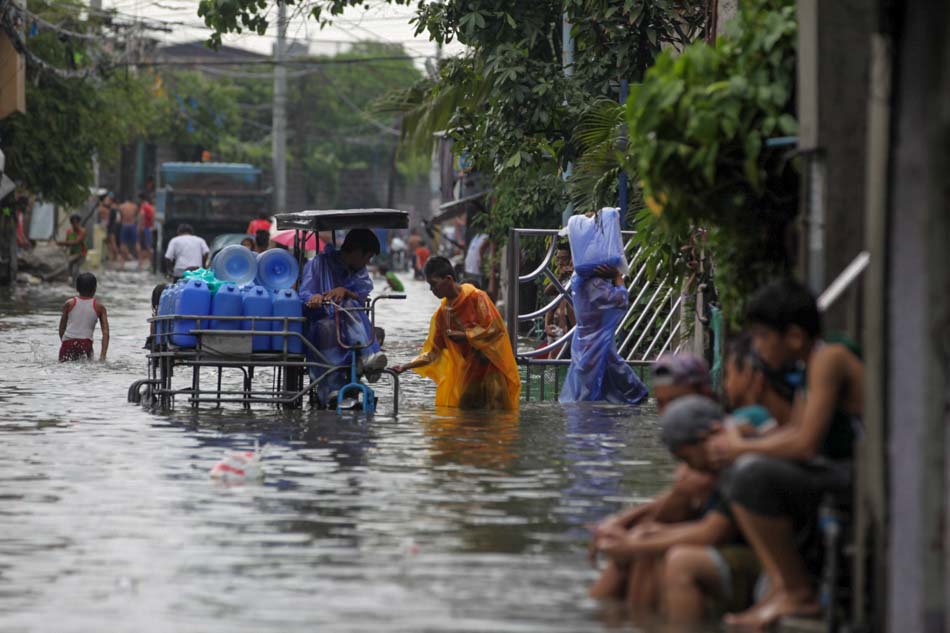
(655, 322)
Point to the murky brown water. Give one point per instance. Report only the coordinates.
(432, 521)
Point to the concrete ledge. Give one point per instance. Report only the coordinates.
(801, 625)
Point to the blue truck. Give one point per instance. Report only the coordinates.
(213, 198)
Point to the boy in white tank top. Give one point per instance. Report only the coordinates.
(78, 322)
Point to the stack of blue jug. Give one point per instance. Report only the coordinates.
(276, 269)
(258, 303)
(287, 304)
(227, 302)
(192, 298)
(274, 272)
(166, 307)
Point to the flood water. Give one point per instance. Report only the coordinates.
(429, 521)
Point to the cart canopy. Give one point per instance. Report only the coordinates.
(337, 219)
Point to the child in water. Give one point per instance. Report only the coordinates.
(78, 322)
(391, 279)
(76, 245)
(467, 353)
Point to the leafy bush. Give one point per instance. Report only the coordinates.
(698, 129)
(506, 100)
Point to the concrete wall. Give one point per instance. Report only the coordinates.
(726, 10)
(833, 81)
(918, 330)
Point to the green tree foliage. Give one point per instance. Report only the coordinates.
(330, 125)
(87, 110)
(334, 125)
(229, 117)
(698, 126)
(506, 100)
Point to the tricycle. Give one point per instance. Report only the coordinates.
(297, 366)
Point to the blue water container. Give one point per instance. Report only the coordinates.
(258, 302)
(235, 263)
(277, 269)
(171, 309)
(165, 307)
(194, 298)
(287, 304)
(227, 301)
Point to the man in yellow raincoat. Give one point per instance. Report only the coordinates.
(467, 353)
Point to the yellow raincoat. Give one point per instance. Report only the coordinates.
(480, 373)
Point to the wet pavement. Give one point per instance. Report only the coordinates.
(430, 521)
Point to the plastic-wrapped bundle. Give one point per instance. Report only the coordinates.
(206, 275)
(596, 241)
(597, 371)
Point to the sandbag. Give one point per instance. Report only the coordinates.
(596, 241)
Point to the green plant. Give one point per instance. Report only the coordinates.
(507, 101)
(77, 108)
(698, 130)
(328, 112)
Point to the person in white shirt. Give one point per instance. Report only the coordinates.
(185, 252)
(474, 257)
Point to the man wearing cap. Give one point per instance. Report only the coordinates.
(727, 569)
(675, 375)
(672, 376)
(745, 389)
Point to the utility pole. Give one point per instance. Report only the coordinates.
(279, 125)
(567, 64)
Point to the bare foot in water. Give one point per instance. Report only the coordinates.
(781, 604)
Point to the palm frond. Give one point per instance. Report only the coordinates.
(600, 139)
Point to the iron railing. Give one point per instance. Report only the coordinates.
(655, 321)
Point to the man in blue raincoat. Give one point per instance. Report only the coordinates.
(597, 371)
(340, 277)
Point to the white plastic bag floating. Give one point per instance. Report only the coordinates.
(239, 467)
(596, 241)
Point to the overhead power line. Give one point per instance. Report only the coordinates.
(366, 116)
(331, 61)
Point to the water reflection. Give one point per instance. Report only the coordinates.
(471, 438)
(433, 521)
(592, 450)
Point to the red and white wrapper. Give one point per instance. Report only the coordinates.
(238, 468)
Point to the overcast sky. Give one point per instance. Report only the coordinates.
(382, 22)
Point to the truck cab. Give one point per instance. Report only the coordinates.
(214, 198)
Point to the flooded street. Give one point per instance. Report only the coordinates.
(431, 521)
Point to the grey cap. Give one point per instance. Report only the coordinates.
(680, 369)
(688, 420)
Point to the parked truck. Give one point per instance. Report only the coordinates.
(213, 198)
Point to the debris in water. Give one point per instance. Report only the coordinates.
(239, 467)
